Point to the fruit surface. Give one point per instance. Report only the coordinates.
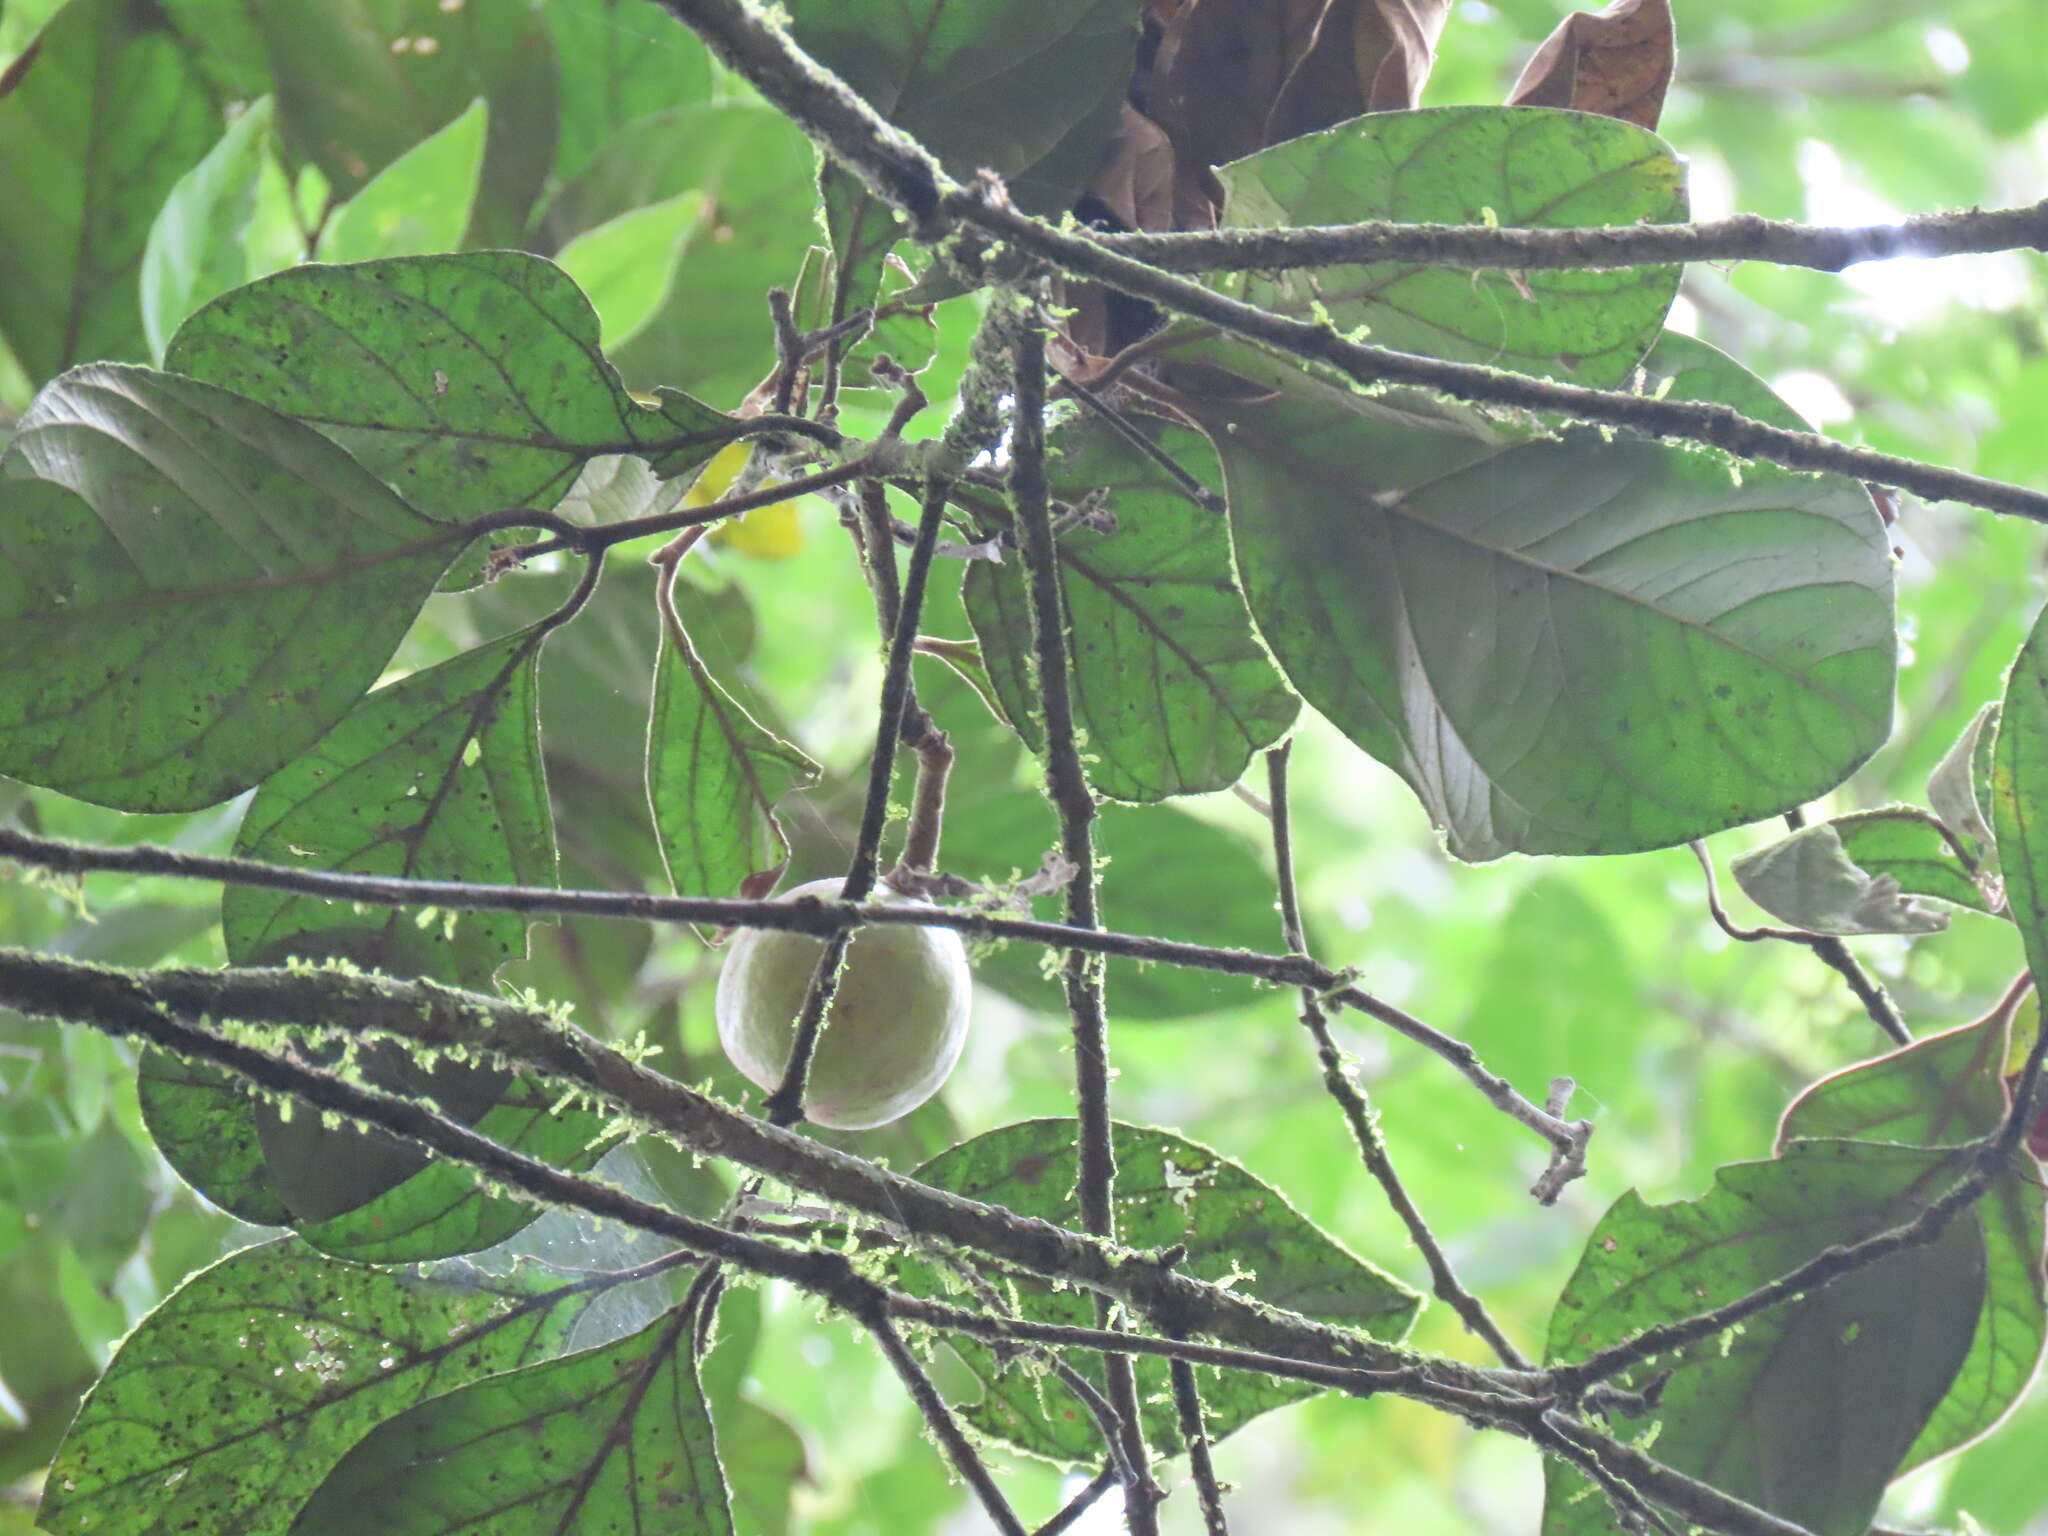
(896, 1025)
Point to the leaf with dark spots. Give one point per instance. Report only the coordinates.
(1613, 63)
(1533, 633)
(616, 1438)
(194, 588)
(228, 1404)
(205, 1125)
(1170, 1191)
(1170, 683)
(435, 777)
(1472, 165)
(1808, 1409)
(714, 777)
(471, 383)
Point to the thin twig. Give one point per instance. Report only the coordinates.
(1365, 1130)
(873, 528)
(590, 540)
(939, 1419)
(1138, 438)
(1187, 1403)
(1629, 1507)
(785, 1105)
(808, 915)
(1869, 992)
(1079, 1504)
(1066, 786)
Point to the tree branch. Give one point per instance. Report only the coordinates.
(444, 1018)
(1365, 1130)
(808, 915)
(1743, 237)
(785, 1104)
(1831, 950)
(1066, 786)
(1718, 426)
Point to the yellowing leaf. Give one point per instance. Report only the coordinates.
(772, 532)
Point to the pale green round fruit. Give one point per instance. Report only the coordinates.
(896, 1025)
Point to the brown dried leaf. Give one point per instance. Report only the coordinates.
(1233, 76)
(1370, 56)
(1616, 63)
(1136, 180)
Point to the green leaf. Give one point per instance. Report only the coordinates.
(1807, 1409)
(1170, 684)
(1169, 1191)
(473, 383)
(1945, 1090)
(2019, 796)
(1168, 874)
(443, 1209)
(713, 780)
(1959, 789)
(360, 82)
(862, 228)
(615, 1438)
(1859, 873)
(1029, 89)
(204, 1123)
(196, 589)
(419, 203)
(620, 60)
(1523, 166)
(1682, 367)
(712, 336)
(1588, 643)
(228, 220)
(627, 264)
(435, 777)
(230, 1401)
(764, 1461)
(98, 120)
(1940, 1091)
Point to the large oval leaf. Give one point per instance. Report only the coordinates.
(228, 1404)
(1171, 685)
(1169, 1191)
(472, 383)
(1587, 643)
(1945, 1090)
(1808, 1409)
(1525, 166)
(98, 120)
(435, 777)
(195, 588)
(609, 1439)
